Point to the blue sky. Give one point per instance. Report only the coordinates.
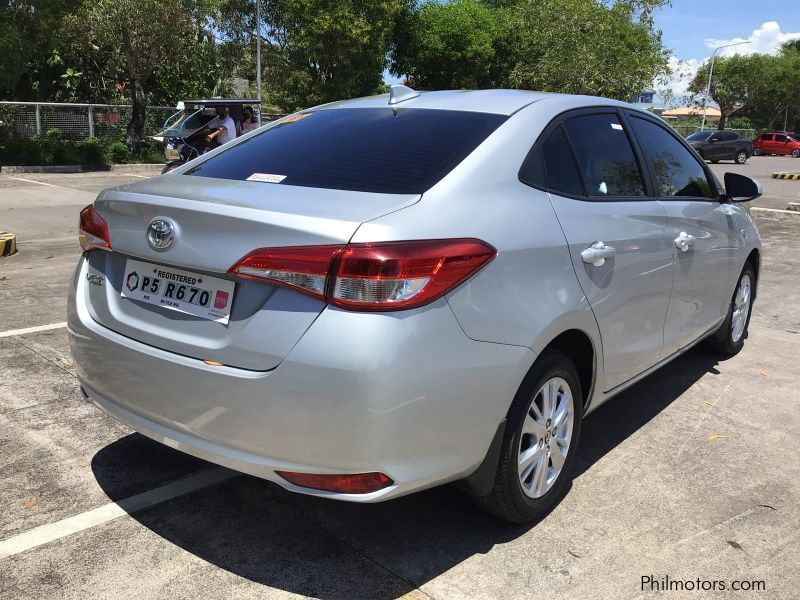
(692, 28)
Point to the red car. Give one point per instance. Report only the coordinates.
(777, 143)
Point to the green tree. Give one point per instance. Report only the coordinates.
(30, 38)
(587, 47)
(574, 46)
(453, 45)
(323, 50)
(732, 83)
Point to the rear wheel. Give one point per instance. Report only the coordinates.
(795, 153)
(539, 444)
(756, 151)
(740, 158)
(729, 340)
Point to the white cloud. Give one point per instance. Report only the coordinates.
(683, 72)
(767, 39)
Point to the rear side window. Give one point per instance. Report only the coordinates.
(402, 151)
(605, 156)
(560, 168)
(766, 137)
(781, 138)
(676, 171)
(729, 136)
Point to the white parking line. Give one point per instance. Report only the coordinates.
(33, 181)
(11, 332)
(51, 532)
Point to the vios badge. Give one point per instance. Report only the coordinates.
(160, 234)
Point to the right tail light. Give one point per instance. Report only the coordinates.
(377, 276)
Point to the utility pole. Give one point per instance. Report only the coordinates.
(258, 58)
(710, 72)
(786, 120)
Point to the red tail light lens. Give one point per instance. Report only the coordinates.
(93, 230)
(376, 276)
(304, 268)
(395, 275)
(359, 483)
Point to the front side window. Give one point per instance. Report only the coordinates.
(605, 157)
(384, 150)
(676, 171)
(700, 136)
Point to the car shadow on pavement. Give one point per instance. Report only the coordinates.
(335, 550)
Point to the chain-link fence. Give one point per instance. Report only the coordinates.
(687, 130)
(76, 121)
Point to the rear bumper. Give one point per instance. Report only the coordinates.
(406, 394)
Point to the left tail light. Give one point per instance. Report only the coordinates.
(93, 230)
(371, 277)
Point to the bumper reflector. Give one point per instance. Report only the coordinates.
(358, 483)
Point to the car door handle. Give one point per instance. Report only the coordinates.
(684, 241)
(597, 253)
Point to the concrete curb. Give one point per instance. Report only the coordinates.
(8, 243)
(792, 176)
(775, 213)
(131, 168)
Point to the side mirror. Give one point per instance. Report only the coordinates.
(740, 188)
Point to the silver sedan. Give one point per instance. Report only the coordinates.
(377, 296)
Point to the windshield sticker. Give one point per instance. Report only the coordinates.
(266, 178)
(297, 117)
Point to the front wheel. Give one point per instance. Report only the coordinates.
(729, 340)
(795, 153)
(539, 443)
(740, 158)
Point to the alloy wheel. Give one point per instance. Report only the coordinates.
(546, 436)
(741, 157)
(741, 308)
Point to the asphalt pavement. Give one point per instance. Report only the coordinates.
(691, 474)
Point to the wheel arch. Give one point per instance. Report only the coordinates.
(577, 345)
(754, 259)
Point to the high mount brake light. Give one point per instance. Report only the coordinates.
(92, 230)
(373, 277)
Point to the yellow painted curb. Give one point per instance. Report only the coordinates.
(794, 176)
(8, 243)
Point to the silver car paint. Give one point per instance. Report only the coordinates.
(415, 394)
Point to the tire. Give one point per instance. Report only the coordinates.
(795, 153)
(507, 499)
(729, 340)
(173, 164)
(741, 157)
(757, 151)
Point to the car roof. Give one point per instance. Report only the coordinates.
(496, 101)
(221, 101)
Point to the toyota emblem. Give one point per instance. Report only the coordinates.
(160, 234)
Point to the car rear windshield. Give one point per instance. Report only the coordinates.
(362, 149)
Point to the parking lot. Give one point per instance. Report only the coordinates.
(692, 473)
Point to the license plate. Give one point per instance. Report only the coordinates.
(191, 293)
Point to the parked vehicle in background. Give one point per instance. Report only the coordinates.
(777, 143)
(381, 295)
(721, 145)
